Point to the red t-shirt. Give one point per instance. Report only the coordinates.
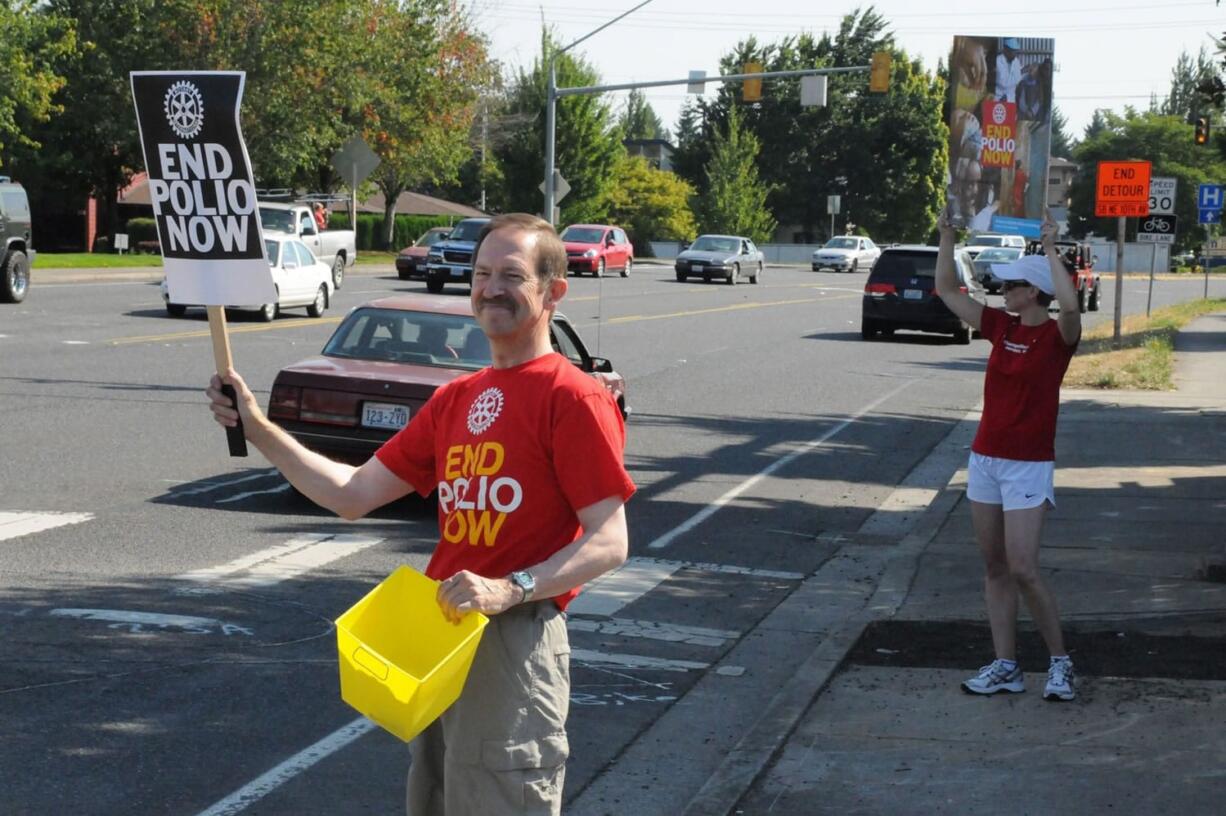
(1021, 392)
(514, 453)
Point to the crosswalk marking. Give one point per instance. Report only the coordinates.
(667, 632)
(282, 562)
(590, 657)
(14, 525)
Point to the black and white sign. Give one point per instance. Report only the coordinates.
(1156, 229)
(201, 186)
(1162, 195)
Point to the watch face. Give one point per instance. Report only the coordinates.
(524, 580)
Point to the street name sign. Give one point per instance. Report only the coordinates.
(1122, 189)
(1156, 229)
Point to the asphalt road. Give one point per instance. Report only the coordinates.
(762, 428)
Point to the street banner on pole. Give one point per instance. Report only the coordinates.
(1000, 132)
(203, 196)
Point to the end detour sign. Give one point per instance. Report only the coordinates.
(1122, 189)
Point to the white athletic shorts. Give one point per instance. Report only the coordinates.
(1014, 484)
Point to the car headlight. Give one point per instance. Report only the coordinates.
(591, 253)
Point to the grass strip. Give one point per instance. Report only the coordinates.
(94, 260)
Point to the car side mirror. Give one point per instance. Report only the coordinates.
(602, 365)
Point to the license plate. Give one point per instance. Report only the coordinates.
(695, 267)
(457, 273)
(912, 294)
(385, 415)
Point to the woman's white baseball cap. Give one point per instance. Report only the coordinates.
(1034, 269)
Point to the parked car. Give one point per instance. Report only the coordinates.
(983, 265)
(300, 278)
(16, 243)
(721, 256)
(385, 359)
(900, 294)
(1080, 259)
(451, 260)
(411, 261)
(597, 248)
(846, 253)
(337, 248)
(978, 243)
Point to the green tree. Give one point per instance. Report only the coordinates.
(1187, 77)
(735, 198)
(34, 41)
(588, 144)
(1061, 144)
(639, 120)
(1165, 141)
(650, 204)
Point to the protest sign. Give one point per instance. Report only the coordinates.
(1000, 132)
(203, 195)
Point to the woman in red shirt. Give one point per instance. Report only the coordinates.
(1010, 473)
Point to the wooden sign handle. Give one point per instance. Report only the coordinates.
(221, 356)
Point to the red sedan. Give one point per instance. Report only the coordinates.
(384, 361)
(597, 248)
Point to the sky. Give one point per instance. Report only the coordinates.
(1109, 53)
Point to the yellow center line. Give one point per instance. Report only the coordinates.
(187, 335)
(730, 308)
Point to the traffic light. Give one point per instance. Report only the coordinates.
(1202, 130)
(879, 73)
(751, 91)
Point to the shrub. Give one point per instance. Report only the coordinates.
(140, 229)
(370, 228)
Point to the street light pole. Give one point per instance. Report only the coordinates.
(551, 110)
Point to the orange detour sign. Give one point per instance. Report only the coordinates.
(1122, 189)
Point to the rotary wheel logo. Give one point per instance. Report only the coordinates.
(999, 113)
(184, 108)
(485, 409)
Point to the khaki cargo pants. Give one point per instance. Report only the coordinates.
(501, 748)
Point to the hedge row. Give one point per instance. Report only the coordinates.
(370, 229)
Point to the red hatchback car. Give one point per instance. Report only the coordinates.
(384, 361)
(596, 248)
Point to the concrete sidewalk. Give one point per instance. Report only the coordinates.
(1140, 486)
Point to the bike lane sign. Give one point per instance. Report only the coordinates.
(1156, 229)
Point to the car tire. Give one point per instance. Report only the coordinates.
(1081, 300)
(681, 277)
(963, 335)
(626, 269)
(1093, 304)
(16, 279)
(403, 274)
(599, 269)
(338, 271)
(868, 329)
(176, 309)
(855, 266)
(754, 277)
(434, 287)
(317, 307)
(269, 311)
(734, 276)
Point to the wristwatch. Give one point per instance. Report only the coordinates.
(525, 581)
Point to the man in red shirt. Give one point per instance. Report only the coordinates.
(526, 456)
(1012, 462)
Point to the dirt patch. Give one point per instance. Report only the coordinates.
(1101, 651)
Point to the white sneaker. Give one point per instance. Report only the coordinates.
(1060, 681)
(994, 677)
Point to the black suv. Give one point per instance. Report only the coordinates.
(900, 294)
(16, 254)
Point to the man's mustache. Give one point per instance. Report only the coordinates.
(504, 302)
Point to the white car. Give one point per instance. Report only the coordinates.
(985, 240)
(300, 278)
(847, 253)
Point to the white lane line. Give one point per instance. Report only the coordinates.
(588, 657)
(14, 525)
(282, 562)
(75, 342)
(210, 486)
(711, 509)
(650, 630)
(281, 489)
(257, 789)
(618, 588)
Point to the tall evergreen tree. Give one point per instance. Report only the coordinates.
(1187, 77)
(735, 199)
(1061, 145)
(638, 119)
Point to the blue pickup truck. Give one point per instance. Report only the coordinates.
(451, 260)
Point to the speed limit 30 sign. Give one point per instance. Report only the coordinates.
(1162, 195)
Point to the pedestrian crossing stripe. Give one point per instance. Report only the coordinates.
(15, 525)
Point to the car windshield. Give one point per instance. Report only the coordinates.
(708, 243)
(402, 336)
(278, 220)
(583, 235)
(840, 243)
(986, 241)
(466, 231)
(999, 254)
(431, 238)
(895, 266)
(273, 250)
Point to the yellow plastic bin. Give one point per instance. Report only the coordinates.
(402, 663)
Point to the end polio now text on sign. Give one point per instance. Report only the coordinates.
(201, 186)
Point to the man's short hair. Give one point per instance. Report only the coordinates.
(550, 251)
